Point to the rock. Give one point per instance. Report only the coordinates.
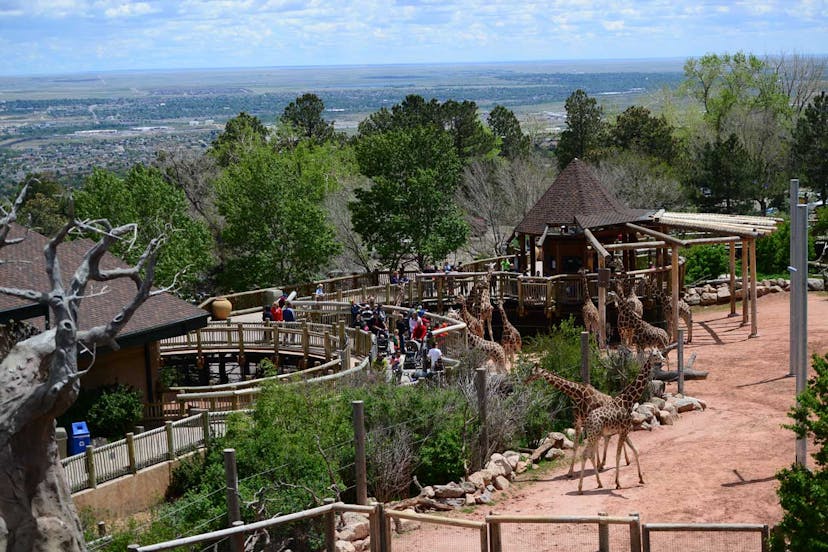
(723, 294)
(816, 284)
(428, 491)
(357, 527)
(702, 403)
(775, 289)
(512, 457)
(657, 402)
(452, 490)
(469, 487)
(708, 298)
(567, 444)
(638, 419)
(687, 404)
(481, 478)
(554, 453)
(501, 483)
(761, 291)
(692, 299)
(521, 467)
(454, 502)
(570, 433)
(708, 289)
(470, 499)
(498, 465)
(405, 525)
(484, 498)
(490, 488)
(646, 409)
(657, 388)
(670, 407)
(665, 417)
(344, 546)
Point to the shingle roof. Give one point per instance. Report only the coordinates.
(163, 315)
(577, 197)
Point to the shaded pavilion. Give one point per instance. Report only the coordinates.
(578, 223)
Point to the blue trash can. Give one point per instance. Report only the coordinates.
(79, 438)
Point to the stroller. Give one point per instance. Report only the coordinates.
(413, 355)
(382, 342)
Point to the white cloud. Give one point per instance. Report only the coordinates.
(613, 25)
(129, 10)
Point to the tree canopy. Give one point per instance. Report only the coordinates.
(505, 126)
(585, 129)
(241, 134)
(304, 114)
(810, 151)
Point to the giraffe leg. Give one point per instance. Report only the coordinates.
(595, 464)
(637, 463)
(489, 325)
(618, 460)
(606, 446)
(583, 465)
(578, 429)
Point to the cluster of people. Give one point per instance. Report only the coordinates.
(280, 311)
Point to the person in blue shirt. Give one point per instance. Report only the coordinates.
(288, 314)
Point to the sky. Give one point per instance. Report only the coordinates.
(71, 36)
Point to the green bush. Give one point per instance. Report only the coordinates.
(705, 262)
(773, 251)
(110, 411)
(803, 493)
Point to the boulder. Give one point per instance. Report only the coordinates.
(501, 483)
(687, 404)
(570, 433)
(451, 490)
(816, 284)
(470, 499)
(657, 388)
(657, 402)
(484, 498)
(405, 525)
(468, 486)
(356, 527)
(638, 419)
(512, 457)
(480, 478)
(344, 546)
(428, 491)
(761, 291)
(708, 298)
(521, 467)
(498, 465)
(665, 417)
(723, 294)
(775, 289)
(567, 444)
(554, 453)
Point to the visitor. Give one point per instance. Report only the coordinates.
(267, 313)
(288, 315)
(276, 313)
(419, 332)
(395, 277)
(413, 318)
(402, 329)
(319, 293)
(505, 266)
(435, 357)
(354, 313)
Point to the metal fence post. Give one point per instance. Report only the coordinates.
(90, 466)
(635, 532)
(359, 452)
(130, 443)
(170, 441)
(585, 357)
(480, 385)
(680, 357)
(603, 534)
(232, 485)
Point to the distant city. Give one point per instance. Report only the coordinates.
(69, 124)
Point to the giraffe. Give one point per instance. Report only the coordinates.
(400, 296)
(635, 330)
(616, 419)
(585, 398)
(486, 308)
(474, 325)
(494, 351)
(588, 310)
(661, 297)
(510, 338)
(625, 285)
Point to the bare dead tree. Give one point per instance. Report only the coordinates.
(801, 77)
(39, 380)
(354, 252)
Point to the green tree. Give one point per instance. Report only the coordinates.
(144, 196)
(721, 176)
(45, 208)
(585, 129)
(408, 212)
(810, 150)
(471, 138)
(638, 130)
(276, 231)
(505, 126)
(803, 493)
(241, 134)
(305, 115)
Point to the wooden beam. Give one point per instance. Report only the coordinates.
(602, 252)
(738, 229)
(745, 288)
(713, 240)
(732, 278)
(656, 234)
(754, 323)
(634, 245)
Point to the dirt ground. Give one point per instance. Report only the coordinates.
(712, 466)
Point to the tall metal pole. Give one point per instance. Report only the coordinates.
(794, 362)
(802, 318)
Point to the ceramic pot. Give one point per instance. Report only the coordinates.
(221, 308)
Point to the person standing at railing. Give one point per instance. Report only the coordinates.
(276, 311)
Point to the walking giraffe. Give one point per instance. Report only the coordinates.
(510, 338)
(585, 398)
(634, 330)
(616, 419)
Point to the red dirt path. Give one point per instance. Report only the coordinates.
(711, 466)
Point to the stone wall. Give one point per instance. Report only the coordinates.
(710, 294)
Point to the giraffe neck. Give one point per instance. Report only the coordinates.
(632, 392)
(571, 389)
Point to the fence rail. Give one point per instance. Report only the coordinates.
(126, 456)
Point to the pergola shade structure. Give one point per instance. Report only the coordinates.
(579, 224)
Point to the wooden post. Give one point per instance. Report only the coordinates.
(387, 292)
(440, 293)
(378, 542)
(754, 323)
(237, 540)
(674, 278)
(480, 385)
(386, 536)
(305, 343)
(345, 357)
(327, 342)
(359, 452)
(603, 534)
(585, 357)
(680, 356)
(231, 479)
(550, 289)
(341, 334)
(521, 311)
(101, 529)
(484, 539)
(494, 537)
(130, 442)
(205, 426)
(602, 305)
(635, 533)
(234, 401)
(170, 441)
(90, 466)
(732, 247)
(330, 527)
(745, 288)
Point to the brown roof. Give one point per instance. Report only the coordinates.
(577, 197)
(24, 266)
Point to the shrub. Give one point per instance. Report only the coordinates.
(773, 252)
(803, 493)
(110, 411)
(705, 262)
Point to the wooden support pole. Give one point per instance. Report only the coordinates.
(330, 528)
(635, 533)
(603, 534)
(168, 427)
(231, 479)
(130, 443)
(745, 287)
(494, 537)
(602, 306)
(480, 386)
(674, 276)
(585, 357)
(359, 453)
(440, 281)
(754, 322)
(732, 249)
(90, 467)
(305, 343)
(205, 426)
(327, 345)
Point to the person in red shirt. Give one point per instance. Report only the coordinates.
(276, 312)
(420, 331)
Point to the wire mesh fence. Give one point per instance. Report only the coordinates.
(409, 532)
(558, 533)
(705, 537)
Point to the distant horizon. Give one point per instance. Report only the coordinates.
(57, 37)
